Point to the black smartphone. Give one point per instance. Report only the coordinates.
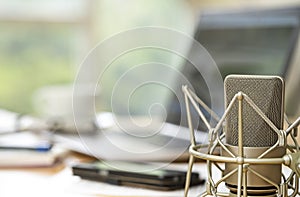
(136, 175)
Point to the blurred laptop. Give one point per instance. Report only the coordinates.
(241, 42)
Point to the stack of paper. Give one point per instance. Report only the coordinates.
(25, 149)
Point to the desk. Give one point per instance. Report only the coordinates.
(49, 181)
(59, 181)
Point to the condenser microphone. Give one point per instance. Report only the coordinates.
(267, 92)
(253, 143)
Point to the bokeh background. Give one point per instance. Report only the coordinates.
(43, 42)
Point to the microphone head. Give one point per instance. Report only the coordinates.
(267, 92)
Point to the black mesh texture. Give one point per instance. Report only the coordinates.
(266, 93)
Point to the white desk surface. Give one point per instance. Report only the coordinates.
(59, 181)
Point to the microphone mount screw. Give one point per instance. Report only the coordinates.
(240, 96)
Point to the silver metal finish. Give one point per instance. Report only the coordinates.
(268, 94)
(241, 160)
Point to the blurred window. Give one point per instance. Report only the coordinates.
(43, 42)
(38, 45)
(32, 56)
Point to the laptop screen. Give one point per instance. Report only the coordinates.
(252, 42)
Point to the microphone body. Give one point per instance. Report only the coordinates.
(256, 186)
(267, 92)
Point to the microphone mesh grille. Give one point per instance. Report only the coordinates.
(267, 94)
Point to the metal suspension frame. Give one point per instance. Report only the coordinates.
(291, 182)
